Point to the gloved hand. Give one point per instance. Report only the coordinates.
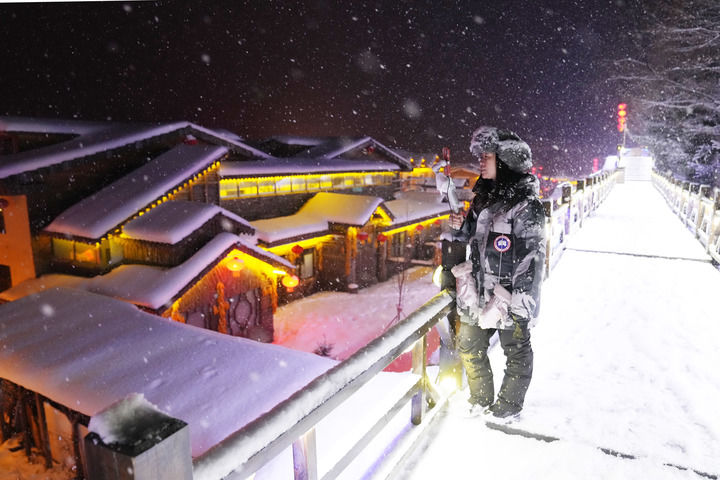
(455, 221)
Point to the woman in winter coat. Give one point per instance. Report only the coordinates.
(498, 288)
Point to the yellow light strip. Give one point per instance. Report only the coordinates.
(412, 226)
(307, 243)
(251, 262)
(385, 218)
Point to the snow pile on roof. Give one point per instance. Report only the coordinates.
(49, 125)
(100, 213)
(97, 138)
(413, 209)
(87, 352)
(274, 229)
(325, 156)
(171, 222)
(341, 208)
(338, 146)
(89, 143)
(156, 287)
(314, 217)
(39, 284)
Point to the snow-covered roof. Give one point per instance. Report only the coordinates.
(156, 288)
(341, 207)
(170, 222)
(273, 230)
(323, 156)
(103, 211)
(40, 284)
(94, 139)
(298, 140)
(338, 146)
(407, 210)
(87, 351)
(314, 217)
(49, 125)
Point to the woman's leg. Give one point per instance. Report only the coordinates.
(518, 369)
(473, 344)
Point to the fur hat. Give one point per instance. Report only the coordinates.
(508, 147)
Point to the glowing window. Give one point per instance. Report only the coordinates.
(313, 183)
(307, 265)
(266, 186)
(247, 187)
(228, 189)
(298, 184)
(284, 185)
(325, 181)
(62, 249)
(338, 181)
(86, 253)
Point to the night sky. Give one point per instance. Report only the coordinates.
(414, 75)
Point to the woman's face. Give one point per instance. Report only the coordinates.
(488, 166)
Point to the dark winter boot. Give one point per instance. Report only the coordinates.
(502, 409)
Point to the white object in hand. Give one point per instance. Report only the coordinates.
(445, 186)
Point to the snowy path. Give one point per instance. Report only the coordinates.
(626, 357)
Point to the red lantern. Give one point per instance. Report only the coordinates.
(297, 249)
(362, 236)
(437, 221)
(290, 282)
(381, 237)
(419, 228)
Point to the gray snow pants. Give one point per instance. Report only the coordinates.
(473, 343)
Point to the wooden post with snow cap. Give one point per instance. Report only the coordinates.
(133, 440)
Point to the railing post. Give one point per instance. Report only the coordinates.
(418, 367)
(305, 456)
(142, 443)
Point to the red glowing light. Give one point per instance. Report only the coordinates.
(235, 264)
(290, 282)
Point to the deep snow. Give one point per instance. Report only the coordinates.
(625, 357)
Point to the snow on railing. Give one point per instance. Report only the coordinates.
(568, 207)
(292, 422)
(698, 207)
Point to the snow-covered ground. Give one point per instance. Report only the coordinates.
(345, 322)
(625, 359)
